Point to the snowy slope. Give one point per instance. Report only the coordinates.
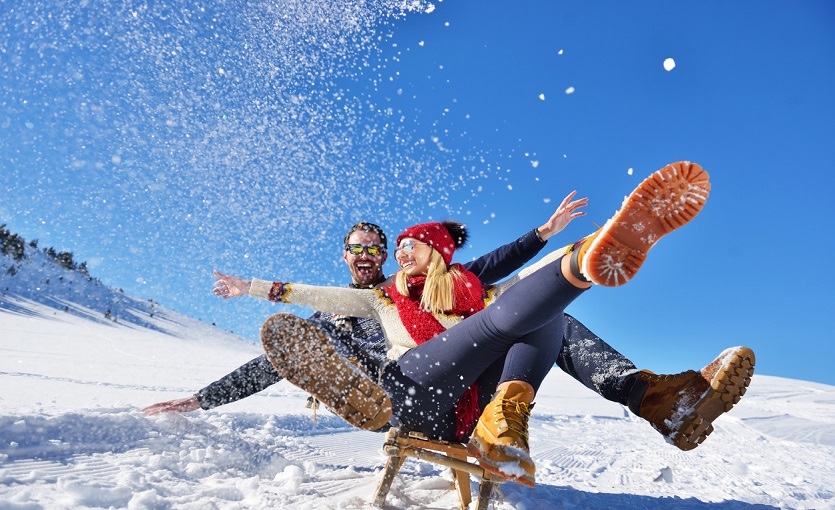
(72, 435)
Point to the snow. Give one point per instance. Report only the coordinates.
(72, 434)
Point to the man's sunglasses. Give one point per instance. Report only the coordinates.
(371, 249)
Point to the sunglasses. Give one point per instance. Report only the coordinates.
(407, 246)
(371, 249)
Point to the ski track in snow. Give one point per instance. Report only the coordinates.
(72, 435)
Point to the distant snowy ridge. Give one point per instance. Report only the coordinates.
(29, 274)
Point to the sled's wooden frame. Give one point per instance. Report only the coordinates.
(401, 444)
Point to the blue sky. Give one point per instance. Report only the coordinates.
(158, 143)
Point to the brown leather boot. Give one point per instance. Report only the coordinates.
(500, 438)
(682, 407)
(303, 355)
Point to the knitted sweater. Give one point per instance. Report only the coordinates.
(258, 374)
(375, 303)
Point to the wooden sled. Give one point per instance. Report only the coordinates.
(401, 444)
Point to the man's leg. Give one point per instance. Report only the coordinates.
(680, 406)
(258, 374)
(596, 364)
(348, 348)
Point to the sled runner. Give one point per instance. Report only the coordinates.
(401, 444)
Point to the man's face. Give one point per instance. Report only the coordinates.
(365, 269)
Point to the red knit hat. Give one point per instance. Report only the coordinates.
(437, 235)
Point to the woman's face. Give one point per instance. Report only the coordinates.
(413, 256)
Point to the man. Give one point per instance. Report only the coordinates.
(366, 270)
(364, 252)
(583, 355)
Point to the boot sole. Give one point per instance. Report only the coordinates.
(665, 201)
(474, 451)
(303, 355)
(727, 386)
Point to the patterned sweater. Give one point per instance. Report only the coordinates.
(375, 303)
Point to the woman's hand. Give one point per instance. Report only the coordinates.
(229, 287)
(567, 211)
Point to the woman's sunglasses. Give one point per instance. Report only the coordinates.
(407, 246)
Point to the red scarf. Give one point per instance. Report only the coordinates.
(422, 326)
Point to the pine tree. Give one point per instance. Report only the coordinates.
(65, 260)
(13, 245)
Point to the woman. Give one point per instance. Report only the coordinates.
(448, 352)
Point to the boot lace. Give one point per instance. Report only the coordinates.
(515, 414)
(646, 375)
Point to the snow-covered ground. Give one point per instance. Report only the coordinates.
(72, 434)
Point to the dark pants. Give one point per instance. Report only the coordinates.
(515, 338)
(599, 367)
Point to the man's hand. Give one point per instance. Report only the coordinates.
(180, 405)
(229, 287)
(567, 211)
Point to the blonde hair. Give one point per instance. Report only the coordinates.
(439, 290)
